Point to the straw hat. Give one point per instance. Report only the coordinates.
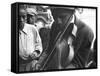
(31, 11)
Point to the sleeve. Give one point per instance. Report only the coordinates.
(30, 42)
(38, 45)
(34, 43)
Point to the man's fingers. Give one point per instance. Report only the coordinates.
(37, 66)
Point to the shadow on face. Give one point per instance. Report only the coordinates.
(22, 18)
(31, 19)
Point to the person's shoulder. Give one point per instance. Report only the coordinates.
(82, 25)
(86, 27)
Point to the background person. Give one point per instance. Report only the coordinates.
(30, 45)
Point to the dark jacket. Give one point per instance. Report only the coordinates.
(82, 43)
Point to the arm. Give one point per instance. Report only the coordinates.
(38, 44)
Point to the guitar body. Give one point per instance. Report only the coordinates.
(59, 58)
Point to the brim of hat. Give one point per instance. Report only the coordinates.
(32, 14)
(42, 18)
(30, 11)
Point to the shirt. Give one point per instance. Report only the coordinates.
(29, 41)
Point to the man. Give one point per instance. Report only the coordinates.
(81, 42)
(56, 28)
(30, 45)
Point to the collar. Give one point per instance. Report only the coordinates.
(74, 31)
(25, 29)
(28, 27)
(73, 18)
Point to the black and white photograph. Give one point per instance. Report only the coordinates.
(53, 37)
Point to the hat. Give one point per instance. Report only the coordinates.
(43, 17)
(62, 10)
(31, 11)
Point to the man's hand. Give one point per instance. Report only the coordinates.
(35, 65)
(35, 55)
(34, 62)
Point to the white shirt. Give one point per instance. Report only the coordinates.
(29, 41)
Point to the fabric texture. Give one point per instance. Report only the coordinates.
(29, 41)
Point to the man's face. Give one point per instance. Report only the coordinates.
(32, 19)
(22, 18)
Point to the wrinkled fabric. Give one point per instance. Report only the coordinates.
(29, 41)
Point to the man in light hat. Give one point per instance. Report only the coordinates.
(31, 15)
(30, 45)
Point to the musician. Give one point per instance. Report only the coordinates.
(30, 45)
(80, 40)
(55, 29)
